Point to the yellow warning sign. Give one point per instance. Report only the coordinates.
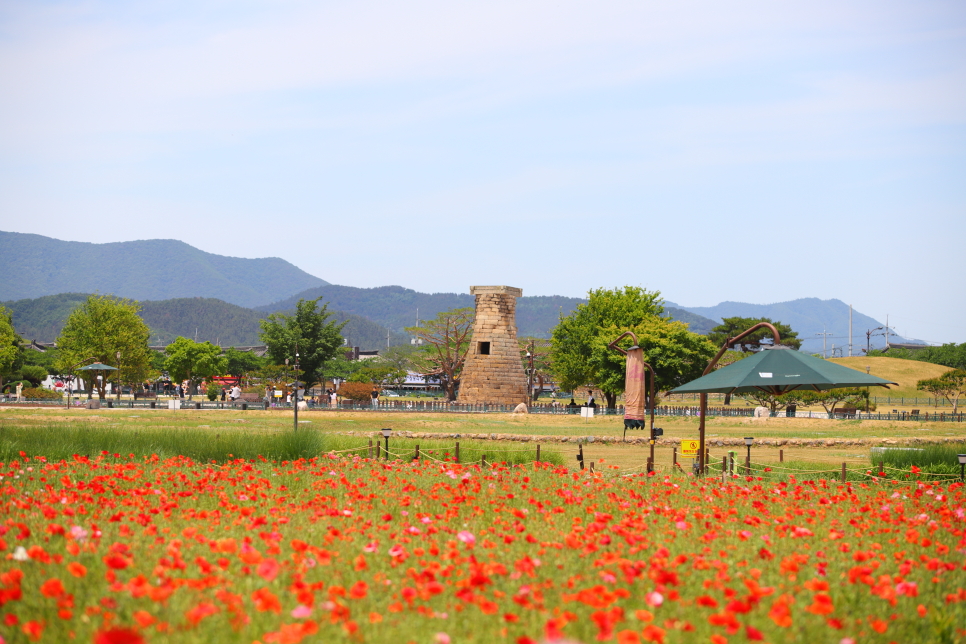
(689, 448)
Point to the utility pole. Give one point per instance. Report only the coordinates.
(850, 330)
(824, 335)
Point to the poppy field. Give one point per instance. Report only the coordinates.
(112, 549)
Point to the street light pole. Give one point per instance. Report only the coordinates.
(295, 399)
(118, 355)
(530, 348)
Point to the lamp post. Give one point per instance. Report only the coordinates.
(962, 466)
(118, 356)
(386, 433)
(530, 350)
(748, 441)
(295, 398)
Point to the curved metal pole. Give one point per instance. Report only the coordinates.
(704, 397)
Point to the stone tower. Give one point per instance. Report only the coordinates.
(493, 372)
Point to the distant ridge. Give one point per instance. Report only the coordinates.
(204, 319)
(808, 316)
(156, 269)
(396, 307)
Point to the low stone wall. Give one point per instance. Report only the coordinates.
(667, 442)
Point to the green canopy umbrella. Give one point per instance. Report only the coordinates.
(774, 370)
(97, 366)
(779, 370)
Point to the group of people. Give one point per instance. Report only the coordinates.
(330, 398)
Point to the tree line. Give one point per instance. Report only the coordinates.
(110, 330)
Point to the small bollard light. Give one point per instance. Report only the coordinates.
(386, 433)
(962, 465)
(748, 441)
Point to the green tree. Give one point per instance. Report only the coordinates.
(577, 335)
(11, 353)
(951, 386)
(100, 328)
(34, 374)
(949, 355)
(404, 357)
(535, 353)
(241, 363)
(579, 355)
(832, 398)
(379, 374)
(730, 327)
(446, 341)
(308, 333)
(772, 401)
(194, 361)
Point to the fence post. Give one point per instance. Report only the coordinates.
(580, 454)
(417, 451)
(457, 451)
(781, 456)
(370, 448)
(591, 467)
(843, 472)
(674, 456)
(483, 461)
(538, 452)
(724, 468)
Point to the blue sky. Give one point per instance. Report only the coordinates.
(748, 151)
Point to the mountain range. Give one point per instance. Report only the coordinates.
(155, 269)
(186, 291)
(811, 318)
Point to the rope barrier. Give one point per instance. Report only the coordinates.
(342, 451)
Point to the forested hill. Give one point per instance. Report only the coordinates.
(396, 307)
(203, 319)
(156, 269)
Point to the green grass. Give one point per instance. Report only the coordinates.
(926, 456)
(61, 441)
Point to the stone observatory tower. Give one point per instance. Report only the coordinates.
(493, 372)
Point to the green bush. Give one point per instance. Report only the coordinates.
(37, 393)
(213, 392)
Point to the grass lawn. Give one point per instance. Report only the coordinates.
(222, 424)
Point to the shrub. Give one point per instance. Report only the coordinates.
(355, 390)
(36, 393)
(213, 392)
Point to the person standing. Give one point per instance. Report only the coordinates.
(333, 399)
(375, 397)
(235, 393)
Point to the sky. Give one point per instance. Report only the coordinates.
(748, 151)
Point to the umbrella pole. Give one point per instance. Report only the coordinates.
(703, 411)
(701, 448)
